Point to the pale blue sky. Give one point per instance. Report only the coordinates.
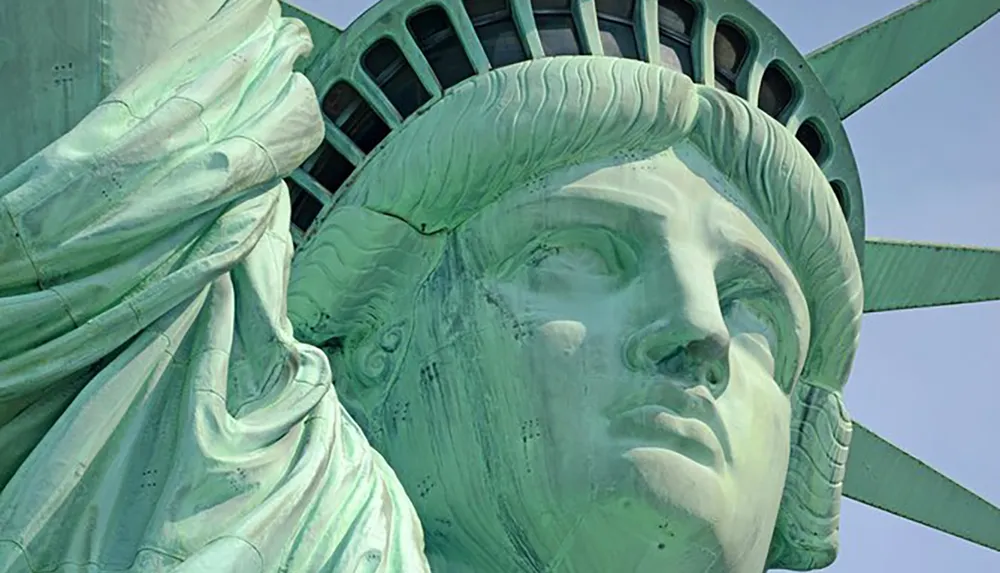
(924, 379)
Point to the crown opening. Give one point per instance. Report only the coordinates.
(388, 68)
(731, 51)
(777, 92)
(354, 117)
(438, 42)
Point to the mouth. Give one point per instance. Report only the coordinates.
(657, 426)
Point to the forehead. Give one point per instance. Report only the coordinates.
(671, 198)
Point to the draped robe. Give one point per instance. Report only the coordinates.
(156, 412)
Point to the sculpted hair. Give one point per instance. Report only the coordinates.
(509, 128)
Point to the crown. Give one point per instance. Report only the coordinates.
(402, 56)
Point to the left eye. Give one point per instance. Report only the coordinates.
(754, 323)
(744, 317)
(756, 345)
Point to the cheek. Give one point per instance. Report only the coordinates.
(757, 416)
(576, 366)
(563, 337)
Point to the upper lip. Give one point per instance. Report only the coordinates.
(694, 403)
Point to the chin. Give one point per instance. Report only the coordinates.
(675, 486)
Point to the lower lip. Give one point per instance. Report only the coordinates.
(657, 426)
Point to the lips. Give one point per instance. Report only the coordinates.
(657, 426)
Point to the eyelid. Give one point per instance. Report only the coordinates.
(735, 286)
(785, 285)
(783, 368)
(623, 253)
(761, 349)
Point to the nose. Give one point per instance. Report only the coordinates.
(687, 353)
(686, 338)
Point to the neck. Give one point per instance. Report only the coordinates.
(591, 548)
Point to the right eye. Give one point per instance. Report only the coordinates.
(579, 260)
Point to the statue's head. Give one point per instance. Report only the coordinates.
(600, 321)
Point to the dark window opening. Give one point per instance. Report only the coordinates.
(556, 28)
(731, 50)
(810, 137)
(615, 22)
(677, 17)
(305, 207)
(560, 5)
(676, 20)
(331, 168)
(502, 43)
(387, 66)
(676, 56)
(496, 30)
(623, 10)
(776, 92)
(483, 9)
(840, 192)
(351, 114)
(439, 43)
(618, 39)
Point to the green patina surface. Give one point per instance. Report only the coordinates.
(582, 313)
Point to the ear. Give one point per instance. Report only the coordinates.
(371, 362)
(375, 358)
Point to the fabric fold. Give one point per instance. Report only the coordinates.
(156, 412)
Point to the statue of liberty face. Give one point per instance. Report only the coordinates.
(598, 378)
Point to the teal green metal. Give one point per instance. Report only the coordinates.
(323, 33)
(904, 486)
(904, 41)
(575, 313)
(905, 274)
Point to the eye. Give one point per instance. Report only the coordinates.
(747, 317)
(755, 321)
(577, 260)
(757, 345)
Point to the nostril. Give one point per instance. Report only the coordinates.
(713, 378)
(673, 349)
(717, 377)
(671, 363)
(711, 348)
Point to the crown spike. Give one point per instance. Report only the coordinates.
(901, 274)
(881, 475)
(862, 65)
(323, 33)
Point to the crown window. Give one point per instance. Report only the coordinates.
(615, 22)
(676, 20)
(840, 192)
(439, 43)
(353, 116)
(731, 50)
(556, 28)
(811, 138)
(776, 92)
(496, 30)
(387, 66)
(331, 168)
(305, 207)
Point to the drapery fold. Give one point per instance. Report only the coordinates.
(156, 412)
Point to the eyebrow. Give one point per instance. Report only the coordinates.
(524, 222)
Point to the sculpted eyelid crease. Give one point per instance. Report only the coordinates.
(615, 250)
